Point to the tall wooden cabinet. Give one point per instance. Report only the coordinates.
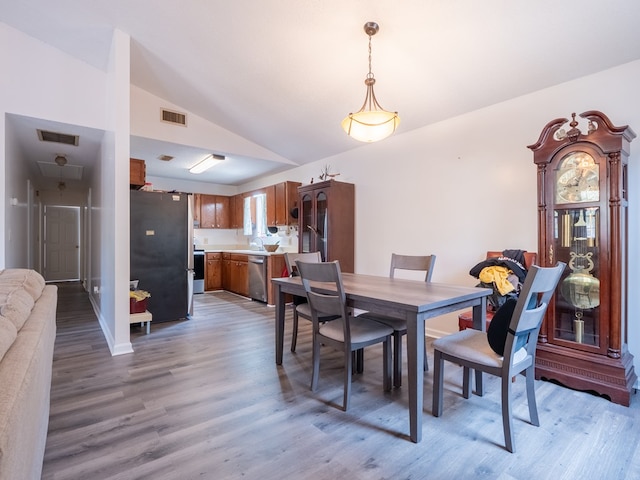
(582, 221)
(326, 221)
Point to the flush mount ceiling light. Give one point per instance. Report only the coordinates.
(372, 122)
(207, 163)
(61, 160)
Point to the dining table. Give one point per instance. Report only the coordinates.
(412, 300)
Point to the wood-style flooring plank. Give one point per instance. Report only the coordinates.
(204, 399)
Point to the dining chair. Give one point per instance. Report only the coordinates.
(326, 297)
(472, 350)
(300, 306)
(424, 263)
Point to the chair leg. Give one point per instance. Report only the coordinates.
(357, 357)
(426, 359)
(397, 359)
(466, 382)
(386, 364)
(438, 383)
(316, 363)
(348, 366)
(294, 335)
(531, 396)
(507, 424)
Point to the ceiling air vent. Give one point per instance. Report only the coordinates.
(174, 117)
(165, 158)
(57, 137)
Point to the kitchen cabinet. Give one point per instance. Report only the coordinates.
(137, 173)
(583, 201)
(214, 211)
(270, 192)
(213, 271)
(275, 268)
(285, 198)
(235, 273)
(236, 210)
(326, 221)
(196, 210)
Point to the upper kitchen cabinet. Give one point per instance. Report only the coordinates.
(270, 205)
(326, 221)
(285, 199)
(137, 173)
(214, 211)
(196, 210)
(236, 211)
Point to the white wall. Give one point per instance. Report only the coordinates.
(41, 82)
(145, 122)
(456, 189)
(16, 206)
(37, 81)
(468, 184)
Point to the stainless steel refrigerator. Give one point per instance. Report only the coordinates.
(161, 252)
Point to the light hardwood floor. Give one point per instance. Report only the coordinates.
(204, 399)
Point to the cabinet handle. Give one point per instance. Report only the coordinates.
(551, 255)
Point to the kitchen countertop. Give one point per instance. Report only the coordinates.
(208, 249)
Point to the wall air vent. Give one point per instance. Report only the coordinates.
(56, 137)
(165, 158)
(176, 118)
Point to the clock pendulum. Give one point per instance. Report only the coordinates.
(581, 289)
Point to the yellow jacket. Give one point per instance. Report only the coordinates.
(499, 276)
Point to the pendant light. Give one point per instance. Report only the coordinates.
(372, 122)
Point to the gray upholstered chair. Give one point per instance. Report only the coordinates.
(424, 263)
(474, 349)
(300, 305)
(326, 297)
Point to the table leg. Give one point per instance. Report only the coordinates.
(280, 309)
(415, 362)
(480, 323)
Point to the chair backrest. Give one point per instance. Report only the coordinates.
(539, 286)
(325, 293)
(423, 263)
(290, 260)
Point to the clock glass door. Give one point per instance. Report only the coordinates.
(321, 225)
(577, 301)
(307, 224)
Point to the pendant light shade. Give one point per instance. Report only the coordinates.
(372, 122)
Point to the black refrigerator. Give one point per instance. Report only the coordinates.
(161, 252)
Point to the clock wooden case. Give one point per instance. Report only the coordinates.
(582, 221)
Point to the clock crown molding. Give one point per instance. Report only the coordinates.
(601, 132)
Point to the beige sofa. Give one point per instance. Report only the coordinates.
(27, 336)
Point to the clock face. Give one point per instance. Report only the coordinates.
(577, 179)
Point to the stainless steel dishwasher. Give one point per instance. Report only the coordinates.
(258, 277)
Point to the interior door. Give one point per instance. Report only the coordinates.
(61, 243)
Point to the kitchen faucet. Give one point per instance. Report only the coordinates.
(261, 243)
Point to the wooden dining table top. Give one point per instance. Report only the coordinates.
(388, 295)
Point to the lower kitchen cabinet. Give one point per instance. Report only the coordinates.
(235, 273)
(213, 271)
(275, 269)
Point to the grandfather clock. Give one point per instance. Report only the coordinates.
(582, 221)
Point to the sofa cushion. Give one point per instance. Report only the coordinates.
(19, 290)
(30, 280)
(8, 335)
(15, 305)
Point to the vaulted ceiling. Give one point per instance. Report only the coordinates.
(284, 73)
